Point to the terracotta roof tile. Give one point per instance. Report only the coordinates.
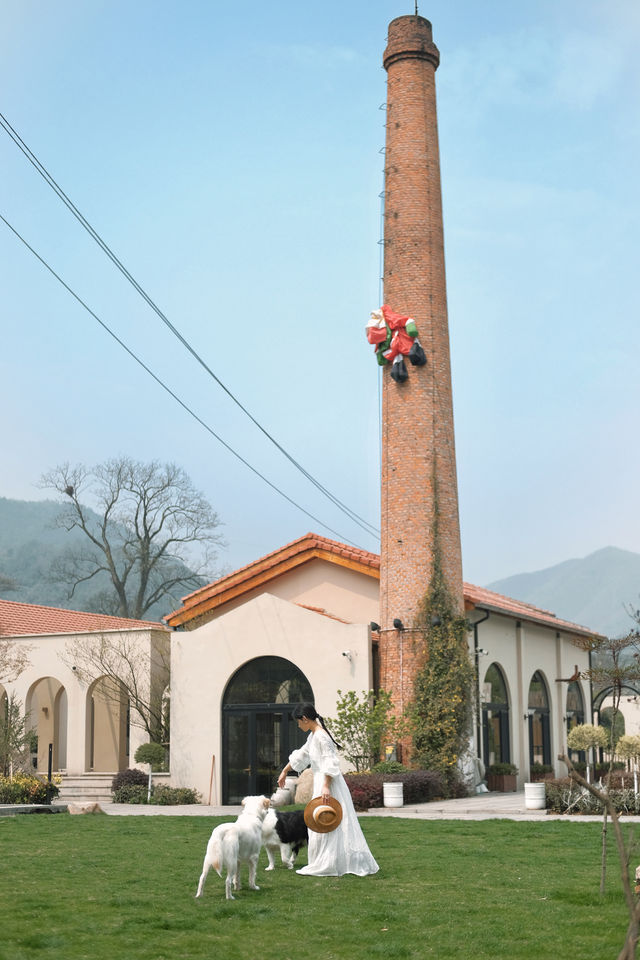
(311, 546)
(27, 619)
(481, 597)
(292, 554)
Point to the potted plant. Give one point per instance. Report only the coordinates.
(541, 771)
(502, 777)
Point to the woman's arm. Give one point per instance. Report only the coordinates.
(326, 787)
(283, 775)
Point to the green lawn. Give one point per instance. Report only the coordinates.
(122, 888)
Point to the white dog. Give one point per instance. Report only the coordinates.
(232, 844)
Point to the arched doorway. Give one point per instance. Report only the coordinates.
(107, 726)
(539, 721)
(258, 729)
(46, 710)
(495, 717)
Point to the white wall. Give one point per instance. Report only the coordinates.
(203, 661)
(520, 651)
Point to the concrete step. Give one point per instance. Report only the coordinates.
(89, 786)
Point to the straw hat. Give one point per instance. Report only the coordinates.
(322, 816)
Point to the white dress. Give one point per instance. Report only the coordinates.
(343, 850)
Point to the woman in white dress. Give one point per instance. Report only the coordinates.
(343, 850)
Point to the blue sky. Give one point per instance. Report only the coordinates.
(230, 156)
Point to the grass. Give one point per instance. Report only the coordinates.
(122, 888)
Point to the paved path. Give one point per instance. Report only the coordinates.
(485, 806)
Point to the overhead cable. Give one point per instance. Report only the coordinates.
(168, 390)
(41, 169)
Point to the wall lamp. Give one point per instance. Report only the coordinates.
(529, 713)
(398, 624)
(374, 627)
(481, 652)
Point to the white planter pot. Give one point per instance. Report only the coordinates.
(392, 794)
(534, 796)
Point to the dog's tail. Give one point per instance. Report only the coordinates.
(230, 849)
(215, 853)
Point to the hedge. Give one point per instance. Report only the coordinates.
(420, 786)
(27, 788)
(566, 796)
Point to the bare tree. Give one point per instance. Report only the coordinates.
(14, 657)
(147, 528)
(8, 584)
(611, 668)
(131, 665)
(628, 951)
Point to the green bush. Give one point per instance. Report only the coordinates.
(131, 793)
(502, 769)
(127, 778)
(420, 786)
(27, 788)
(172, 796)
(539, 769)
(160, 794)
(389, 766)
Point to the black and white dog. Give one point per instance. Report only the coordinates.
(286, 831)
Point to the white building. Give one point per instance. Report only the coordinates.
(299, 624)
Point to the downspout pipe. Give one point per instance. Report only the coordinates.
(476, 624)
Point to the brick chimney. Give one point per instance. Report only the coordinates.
(418, 448)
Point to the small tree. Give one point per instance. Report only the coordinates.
(586, 737)
(15, 740)
(628, 748)
(138, 668)
(628, 951)
(153, 754)
(361, 724)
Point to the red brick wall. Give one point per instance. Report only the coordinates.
(418, 432)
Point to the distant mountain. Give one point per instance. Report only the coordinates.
(30, 542)
(593, 591)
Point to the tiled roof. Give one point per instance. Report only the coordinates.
(29, 619)
(312, 546)
(487, 599)
(255, 574)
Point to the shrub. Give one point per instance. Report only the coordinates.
(565, 796)
(420, 786)
(172, 796)
(27, 788)
(131, 793)
(540, 768)
(127, 778)
(160, 794)
(389, 766)
(502, 769)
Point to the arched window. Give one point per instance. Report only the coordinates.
(268, 680)
(495, 717)
(539, 721)
(259, 731)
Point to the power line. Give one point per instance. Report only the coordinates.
(44, 173)
(167, 389)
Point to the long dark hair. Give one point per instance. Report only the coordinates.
(309, 711)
